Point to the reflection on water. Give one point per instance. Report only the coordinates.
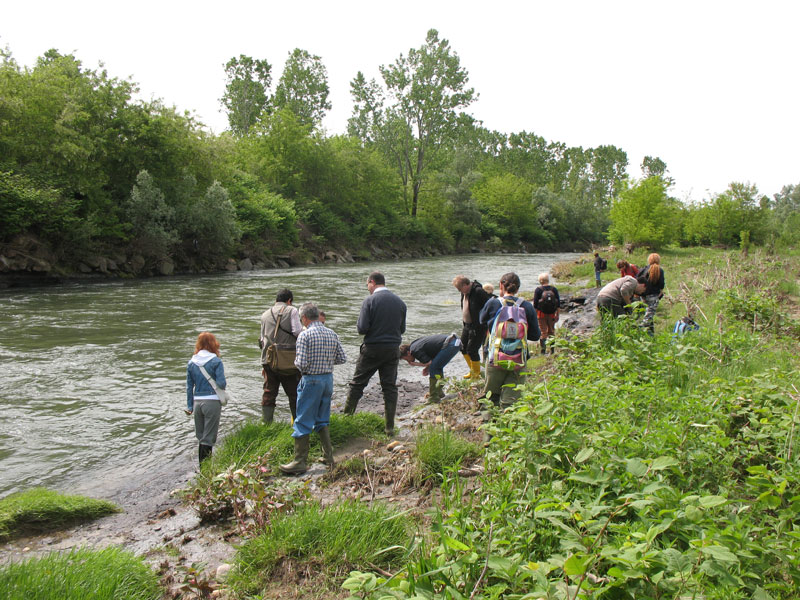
(95, 373)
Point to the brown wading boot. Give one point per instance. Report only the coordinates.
(327, 447)
(267, 413)
(298, 465)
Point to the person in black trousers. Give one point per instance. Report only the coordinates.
(382, 322)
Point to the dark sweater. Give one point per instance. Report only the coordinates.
(426, 348)
(651, 288)
(382, 320)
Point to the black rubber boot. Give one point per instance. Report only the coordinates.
(434, 391)
(543, 344)
(389, 408)
(267, 413)
(204, 452)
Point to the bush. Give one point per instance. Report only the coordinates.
(40, 509)
(110, 574)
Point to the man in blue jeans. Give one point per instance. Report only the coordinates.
(432, 352)
(318, 350)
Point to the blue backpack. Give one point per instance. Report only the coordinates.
(683, 325)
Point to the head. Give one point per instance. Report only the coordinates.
(462, 283)
(654, 259)
(285, 295)
(622, 264)
(596, 254)
(322, 317)
(488, 288)
(641, 284)
(309, 313)
(544, 278)
(654, 272)
(206, 341)
(405, 352)
(375, 279)
(509, 283)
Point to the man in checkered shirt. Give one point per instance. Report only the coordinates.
(318, 350)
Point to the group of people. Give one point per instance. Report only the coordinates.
(298, 354)
(646, 283)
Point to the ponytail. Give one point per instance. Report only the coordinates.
(654, 273)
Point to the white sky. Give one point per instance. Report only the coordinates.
(710, 87)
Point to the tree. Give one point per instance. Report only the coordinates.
(303, 87)
(151, 218)
(425, 89)
(246, 92)
(643, 214)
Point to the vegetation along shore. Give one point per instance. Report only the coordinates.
(633, 466)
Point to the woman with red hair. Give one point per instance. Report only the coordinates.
(654, 290)
(201, 397)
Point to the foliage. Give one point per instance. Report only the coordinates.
(152, 219)
(41, 510)
(647, 467)
(303, 87)
(644, 215)
(108, 574)
(438, 450)
(336, 538)
(246, 91)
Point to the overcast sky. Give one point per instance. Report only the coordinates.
(709, 87)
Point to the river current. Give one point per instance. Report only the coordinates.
(93, 388)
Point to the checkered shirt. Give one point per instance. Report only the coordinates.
(318, 349)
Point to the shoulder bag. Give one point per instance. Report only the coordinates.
(280, 360)
(224, 395)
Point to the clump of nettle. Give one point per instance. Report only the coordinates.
(643, 467)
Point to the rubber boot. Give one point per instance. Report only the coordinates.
(553, 347)
(298, 465)
(267, 413)
(475, 372)
(469, 362)
(389, 410)
(434, 392)
(327, 447)
(204, 452)
(543, 344)
(350, 406)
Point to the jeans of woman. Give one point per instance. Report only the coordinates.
(206, 421)
(650, 312)
(436, 368)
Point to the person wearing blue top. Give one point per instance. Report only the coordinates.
(201, 398)
(431, 352)
(318, 350)
(501, 383)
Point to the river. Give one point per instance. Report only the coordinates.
(93, 389)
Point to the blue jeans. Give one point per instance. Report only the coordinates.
(313, 404)
(436, 368)
(597, 277)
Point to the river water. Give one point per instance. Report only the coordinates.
(93, 388)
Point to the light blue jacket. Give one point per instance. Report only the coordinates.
(197, 386)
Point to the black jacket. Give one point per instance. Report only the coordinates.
(477, 297)
(651, 289)
(382, 319)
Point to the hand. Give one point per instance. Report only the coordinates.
(188, 412)
(425, 372)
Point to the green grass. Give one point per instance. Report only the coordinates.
(82, 574)
(438, 450)
(332, 540)
(40, 510)
(255, 439)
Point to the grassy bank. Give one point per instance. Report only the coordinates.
(109, 574)
(638, 466)
(40, 510)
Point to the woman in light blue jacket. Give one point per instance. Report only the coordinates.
(201, 398)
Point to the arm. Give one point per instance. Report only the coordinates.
(534, 333)
(489, 311)
(218, 374)
(339, 357)
(189, 390)
(364, 317)
(297, 326)
(537, 295)
(301, 358)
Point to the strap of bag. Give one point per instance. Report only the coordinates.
(210, 380)
(278, 324)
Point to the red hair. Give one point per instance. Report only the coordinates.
(207, 341)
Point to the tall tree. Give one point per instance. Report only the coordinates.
(246, 92)
(303, 87)
(425, 91)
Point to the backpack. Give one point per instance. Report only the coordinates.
(508, 345)
(603, 264)
(684, 325)
(548, 303)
